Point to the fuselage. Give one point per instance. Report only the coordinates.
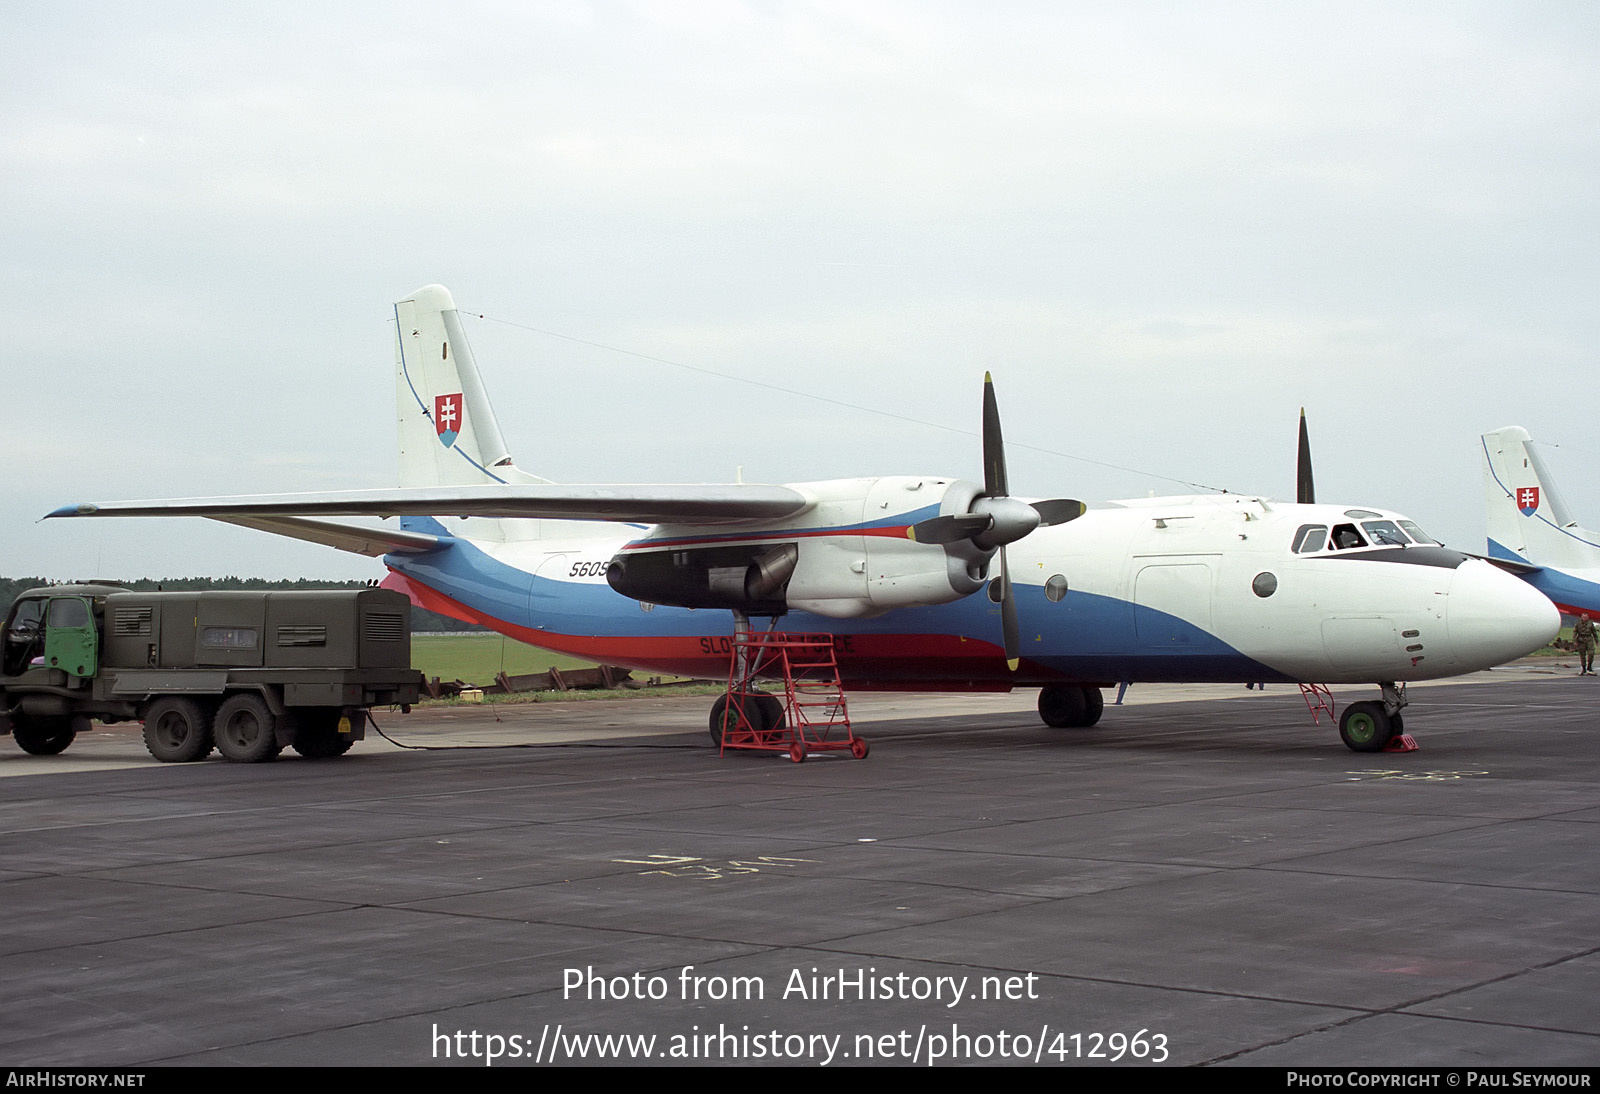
(1223, 588)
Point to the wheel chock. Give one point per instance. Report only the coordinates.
(1402, 742)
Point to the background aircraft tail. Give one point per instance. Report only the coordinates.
(1528, 520)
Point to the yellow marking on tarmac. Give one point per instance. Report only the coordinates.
(1419, 776)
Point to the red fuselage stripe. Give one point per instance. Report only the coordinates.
(922, 662)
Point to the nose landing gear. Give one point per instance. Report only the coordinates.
(1374, 725)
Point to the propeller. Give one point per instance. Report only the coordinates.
(995, 519)
(1305, 491)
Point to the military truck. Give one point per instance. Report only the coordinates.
(248, 673)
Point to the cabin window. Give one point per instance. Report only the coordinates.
(1264, 585)
(1310, 539)
(1055, 588)
(1346, 537)
(68, 612)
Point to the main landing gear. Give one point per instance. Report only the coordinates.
(1070, 706)
(807, 715)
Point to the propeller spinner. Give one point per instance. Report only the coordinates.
(995, 519)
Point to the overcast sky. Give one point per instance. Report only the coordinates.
(1163, 227)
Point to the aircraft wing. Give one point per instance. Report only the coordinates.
(688, 504)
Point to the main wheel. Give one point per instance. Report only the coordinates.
(246, 731)
(763, 712)
(719, 718)
(1366, 727)
(42, 736)
(771, 712)
(1094, 704)
(1063, 706)
(317, 735)
(177, 730)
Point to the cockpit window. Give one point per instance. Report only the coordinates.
(1383, 533)
(1345, 537)
(1417, 533)
(1310, 539)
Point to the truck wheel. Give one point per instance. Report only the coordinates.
(177, 731)
(246, 731)
(317, 736)
(42, 736)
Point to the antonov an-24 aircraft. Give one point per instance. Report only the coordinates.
(910, 573)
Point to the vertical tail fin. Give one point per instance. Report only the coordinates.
(448, 432)
(1528, 520)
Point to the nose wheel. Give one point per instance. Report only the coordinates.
(1377, 725)
(1366, 727)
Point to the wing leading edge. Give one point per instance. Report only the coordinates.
(691, 504)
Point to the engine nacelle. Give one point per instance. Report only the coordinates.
(848, 555)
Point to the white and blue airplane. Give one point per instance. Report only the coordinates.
(909, 573)
(1531, 531)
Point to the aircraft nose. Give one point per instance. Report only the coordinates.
(1494, 617)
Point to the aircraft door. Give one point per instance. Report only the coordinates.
(71, 642)
(1172, 603)
(548, 602)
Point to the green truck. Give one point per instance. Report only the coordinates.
(248, 673)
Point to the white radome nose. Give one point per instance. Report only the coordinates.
(1494, 617)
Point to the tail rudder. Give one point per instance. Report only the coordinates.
(1527, 519)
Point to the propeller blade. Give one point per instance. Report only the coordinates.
(950, 528)
(1058, 511)
(994, 446)
(1010, 632)
(1305, 491)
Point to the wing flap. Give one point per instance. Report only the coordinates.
(373, 542)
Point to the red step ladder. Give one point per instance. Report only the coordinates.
(811, 714)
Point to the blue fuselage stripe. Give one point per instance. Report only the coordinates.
(1084, 636)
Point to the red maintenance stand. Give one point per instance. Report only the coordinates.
(809, 715)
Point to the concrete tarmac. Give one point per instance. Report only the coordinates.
(1207, 881)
